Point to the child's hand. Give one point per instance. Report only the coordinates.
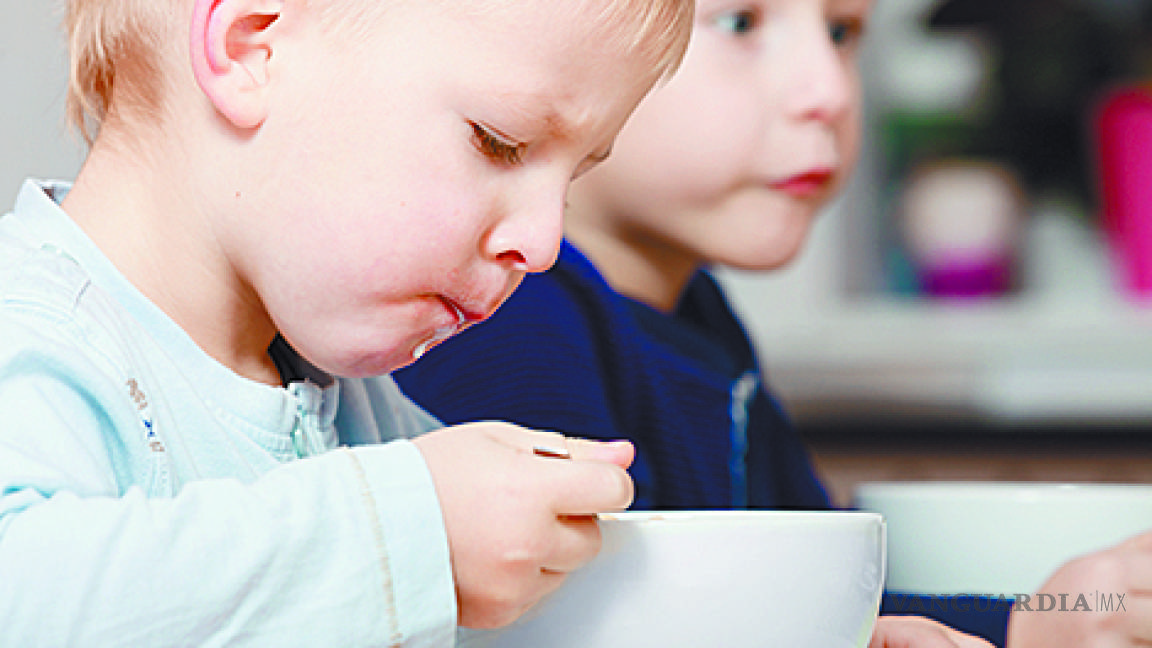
(1126, 570)
(920, 632)
(518, 522)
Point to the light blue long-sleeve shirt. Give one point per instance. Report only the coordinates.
(150, 496)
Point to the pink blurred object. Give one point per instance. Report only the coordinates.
(1124, 146)
(967, 278)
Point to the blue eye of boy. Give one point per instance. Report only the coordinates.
(496, 147)
(845, 31)
(739, 22)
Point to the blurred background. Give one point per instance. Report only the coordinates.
(34, 139)
(979, 303)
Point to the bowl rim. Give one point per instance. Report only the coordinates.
(738, 515)
(1035, 490)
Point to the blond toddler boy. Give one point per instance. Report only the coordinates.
(285, 200)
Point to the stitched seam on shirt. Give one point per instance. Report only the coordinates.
(369, 501)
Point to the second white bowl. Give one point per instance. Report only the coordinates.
(998, 538)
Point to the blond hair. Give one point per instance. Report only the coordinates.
(117, 46)
(113, 45)
(657, 30)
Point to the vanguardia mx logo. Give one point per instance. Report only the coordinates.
(1060, 602)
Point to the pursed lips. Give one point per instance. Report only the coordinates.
(807, 183)
(471, 311)
(462, 316)
(442, 333)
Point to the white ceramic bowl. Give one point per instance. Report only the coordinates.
(716, 578)
(997, 538)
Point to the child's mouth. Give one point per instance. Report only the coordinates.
(440, 334)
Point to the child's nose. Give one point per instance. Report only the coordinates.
(820, 82)
(528, 236)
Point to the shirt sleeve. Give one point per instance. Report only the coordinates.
(343, 549)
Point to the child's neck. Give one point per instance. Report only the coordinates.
(160, 240)
(638, 267)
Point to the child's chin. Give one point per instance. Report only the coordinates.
(368, 365)
(764, 261)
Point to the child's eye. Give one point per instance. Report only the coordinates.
(496, 147)
(740, 21)
(845, 32)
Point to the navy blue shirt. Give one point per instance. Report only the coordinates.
(568, 353)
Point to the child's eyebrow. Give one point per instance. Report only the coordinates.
(558, 126)
(561, 129)
(539, 108)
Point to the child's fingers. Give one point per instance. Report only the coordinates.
(1138, 570)
(1136, 564)
(1138, 608)
(587, 477)
(555, 445)
(619, 453)
(574, 476)
(1141, 542)
(585, 487)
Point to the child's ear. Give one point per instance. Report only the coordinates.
(231, 49)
